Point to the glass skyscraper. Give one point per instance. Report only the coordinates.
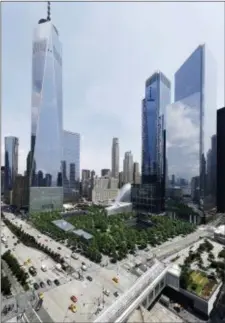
(45, 177)
(11, 162)
(191, 126)
(221, 160)
(71, 165)
(151, 194)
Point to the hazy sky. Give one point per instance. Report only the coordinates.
(109, 50)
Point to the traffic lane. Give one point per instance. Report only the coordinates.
(44, 316)
(23, 253)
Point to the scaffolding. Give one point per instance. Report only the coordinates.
(113, 312)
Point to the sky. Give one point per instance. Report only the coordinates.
(109, 50)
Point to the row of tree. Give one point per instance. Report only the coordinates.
(30, 241)
(16, 268)
(5, 285)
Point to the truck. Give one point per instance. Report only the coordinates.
(84, 268)
(75, 256)
(58, 267)
(44, 267)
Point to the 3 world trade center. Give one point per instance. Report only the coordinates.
(179, 139)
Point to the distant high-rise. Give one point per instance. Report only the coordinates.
(2, 179)
(221, 160)
(105, 172)
(191, 122)
(128, 168)
(136, 173)
(46, 191)
(85, 174)
(71, 165)
(11, 162)
(115, 158)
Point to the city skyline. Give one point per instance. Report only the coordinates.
(83, 111)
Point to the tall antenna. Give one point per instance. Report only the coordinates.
(48, 11)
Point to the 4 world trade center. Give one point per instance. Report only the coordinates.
(179, 139)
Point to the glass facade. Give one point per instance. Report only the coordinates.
(191, 128)
(221, 160)
(71, 165)
(46, 192)
(11, 162)
(157, 97)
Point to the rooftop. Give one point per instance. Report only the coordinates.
(63, 225)
(158, 313)
(82, 233)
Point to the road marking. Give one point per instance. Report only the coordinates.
(25, 317)
(38, 317)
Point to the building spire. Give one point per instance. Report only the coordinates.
(48, 11)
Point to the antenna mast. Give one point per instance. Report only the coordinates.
(48, 11)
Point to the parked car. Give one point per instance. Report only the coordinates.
(56, 282)
(89, 278)
(36, 286)
(42, 284)
(49, 282)
(33, 271)
(116, 294)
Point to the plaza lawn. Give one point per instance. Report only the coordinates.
(112, 236)
(200, 284)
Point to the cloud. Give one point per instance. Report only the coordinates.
(182, 141)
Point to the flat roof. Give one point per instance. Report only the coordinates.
(82, 233)
(63, 225)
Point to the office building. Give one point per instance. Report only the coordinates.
(105, 172)
(71, 166)
(221, 160)
(120, 179)
(46, 191)
(2, 179)
(115, 158)
(128, 165)
(11, 166)
(191, 123)
(104, 189)
(136, 174)
(150, 195)
(19, 196)
(86, 183)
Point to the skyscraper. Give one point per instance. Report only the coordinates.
(71, 165)
(221, 160)
(136, 173)
(115, 158)
(191, 122)
(128, 167)
(157, 97)
(11, 162)
(105, 172)
(46, 192)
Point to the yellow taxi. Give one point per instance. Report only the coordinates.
(73, 308)
(115, 279)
